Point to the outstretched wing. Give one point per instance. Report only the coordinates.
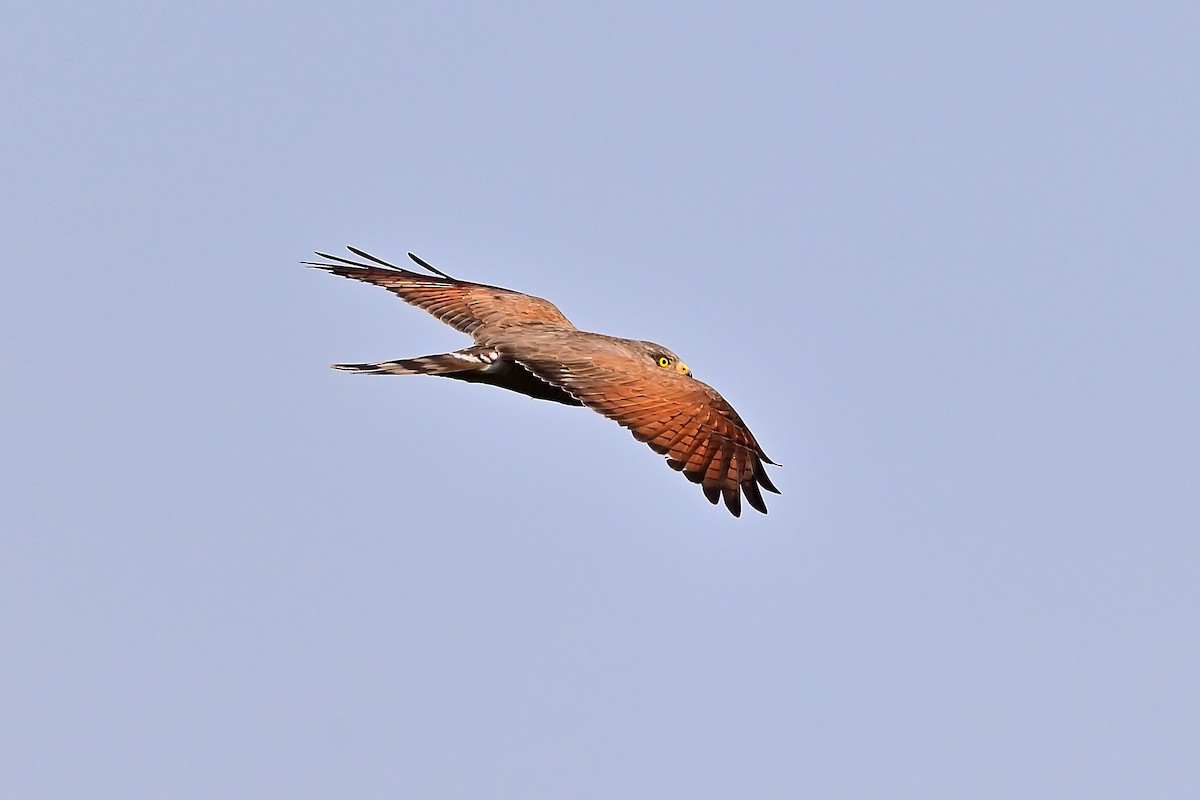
(469, 307)
(676, 415)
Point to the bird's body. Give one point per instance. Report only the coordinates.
(526, 345)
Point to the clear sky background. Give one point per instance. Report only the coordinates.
(942, 259)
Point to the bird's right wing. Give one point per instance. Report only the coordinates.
(676, 415)
(468, 307)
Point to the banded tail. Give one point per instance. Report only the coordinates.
(468, 360)
(478, 364)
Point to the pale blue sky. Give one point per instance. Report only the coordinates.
(942, 258)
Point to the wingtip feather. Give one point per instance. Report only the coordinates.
(369, 257)
(733, 499)
(422, 262)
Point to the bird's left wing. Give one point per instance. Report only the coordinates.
(470, 307)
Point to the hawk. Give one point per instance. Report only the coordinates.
(525, 344)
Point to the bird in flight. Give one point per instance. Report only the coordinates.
(525, 344)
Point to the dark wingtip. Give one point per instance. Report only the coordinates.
(753, 495)
(318, 264)
(422, 262)
(764, 481)
(340, 262)
(733, 499)
(369, 257)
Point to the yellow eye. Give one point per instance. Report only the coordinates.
(663, 361)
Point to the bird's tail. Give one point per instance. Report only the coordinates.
(471, 359)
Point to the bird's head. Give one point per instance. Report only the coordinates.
(664, 358)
